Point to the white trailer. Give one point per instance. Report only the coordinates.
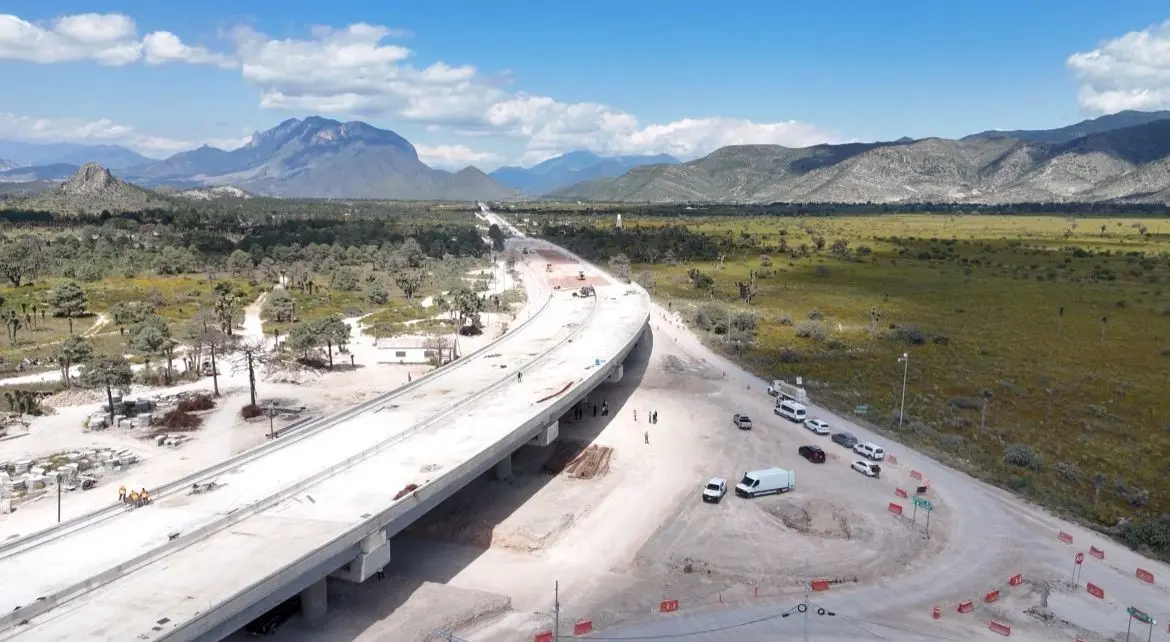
(785, 390)
(766, 482)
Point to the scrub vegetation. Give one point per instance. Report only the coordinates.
(1039, 345)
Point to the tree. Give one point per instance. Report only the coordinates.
(240, 263)
(71, 351)
(511, 258)
(748, 289)
(20, 259)
(345, 279)
(497, 237)
(280, 306)
(69, 301)
(304, 338)
(334, 332)
(127, 313)
(152, 336)
(12, 324)
(376, 292)
(410, 281)
(467, 306)
(204, 333)
(226, 305)
(438, 344)
(109, 372)
(621, 266)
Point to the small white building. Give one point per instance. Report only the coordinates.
(409, 350)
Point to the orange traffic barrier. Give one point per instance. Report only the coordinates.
(936, 613)
(667, 606)
(1000, 628)
(582, 627)
(1145, 576)
(1095, 591)
(900, 492)
(892, 459)
(992, 596)
(1064, 537)
(1096, 552)
(1016, 580)
(895, 508)
(966, 607)
(543, 636)
(819, 585)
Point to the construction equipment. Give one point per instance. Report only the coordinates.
(206, 368)
(585, 291)
(581, 275)
(548, 267)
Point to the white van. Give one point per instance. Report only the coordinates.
(871, 450)
(791, 410)
(764, 482)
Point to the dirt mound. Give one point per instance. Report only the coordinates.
(817, 517)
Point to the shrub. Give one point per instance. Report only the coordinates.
(821, 271)
(251, 410)
(784, 319)
(788, 355)
(1024, 456)
(179, 420)
(815, 314)
(1068, 471)
(814, 330)
(910, 334)
(196, 403)
(863, 250)
(966, 403)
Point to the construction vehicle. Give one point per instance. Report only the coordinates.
(585, 291)
(581, 275)
(206, 369)
(548, 267)
(784, 390)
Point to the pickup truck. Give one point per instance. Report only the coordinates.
(741, 421)
(714, 490)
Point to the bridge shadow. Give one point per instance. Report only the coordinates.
(448, 540)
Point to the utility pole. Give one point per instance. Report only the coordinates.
(557, 611)
(905, 360)
(60, 478)
(271, 415)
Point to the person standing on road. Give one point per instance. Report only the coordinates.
(122, 494)
(635, 415)
(646, 436)
(519, 377)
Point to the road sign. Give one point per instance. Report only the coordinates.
(1080, 558)
(1140, 616)
(923, 504)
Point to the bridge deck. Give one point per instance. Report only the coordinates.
(206, 573)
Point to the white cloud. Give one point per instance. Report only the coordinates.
(355, 70)
(108, 39)
(457, 156)
(100, 132)
(1129, 72)
(163, 46)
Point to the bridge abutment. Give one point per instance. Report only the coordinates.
(315, 602)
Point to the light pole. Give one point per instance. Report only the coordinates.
(271, 415)
(905, 361)
(60, 479)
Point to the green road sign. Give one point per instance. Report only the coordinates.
(924, 504)
(1140, 616)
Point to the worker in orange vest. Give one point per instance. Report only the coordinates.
(133, 498)
(122, 494)
(143, 497)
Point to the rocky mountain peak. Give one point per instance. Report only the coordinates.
(91, 178)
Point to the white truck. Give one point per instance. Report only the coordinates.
(784, 390)
(766, 482)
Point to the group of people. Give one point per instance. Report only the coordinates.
(135, 498)
(652, 416)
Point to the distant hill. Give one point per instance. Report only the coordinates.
(6, 164)
(54, 172)
(1120, 120)
(321, 158)
(91, 190)
(571, 168)
(20, 153)
(1129, 164)
(212, 193)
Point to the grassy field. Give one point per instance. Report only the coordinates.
(176, 299)
(1064, 407)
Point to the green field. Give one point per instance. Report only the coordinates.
(1070, 409)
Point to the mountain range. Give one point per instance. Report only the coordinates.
(1124, 157)
(1120, 157)
(572, 168)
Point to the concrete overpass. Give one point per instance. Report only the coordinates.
(323, 501)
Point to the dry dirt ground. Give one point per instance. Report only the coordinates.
(620, 543)
(223, 432)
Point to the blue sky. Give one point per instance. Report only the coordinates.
(519, 81)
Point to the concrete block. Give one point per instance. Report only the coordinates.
(547, 435)
(616, 375)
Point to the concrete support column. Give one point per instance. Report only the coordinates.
(503, 469)
(617, 373)
(547, 435)
(315, 602)
(373, 556)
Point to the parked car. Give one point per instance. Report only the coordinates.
(743, 422)
(870, 450)
(715, 490)
(764, 482)
(846, 439)
(817, 426)
(866, 468)
(813, 454)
